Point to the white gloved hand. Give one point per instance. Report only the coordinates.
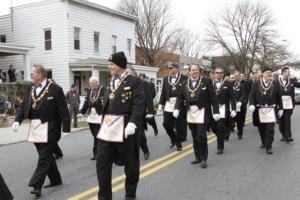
(252, 108)
(130, 129)
(176, 113)
(79, 115)
(232, 114)
(239, 104)
(15, 126)
(280, 113)
(216, 117)
(149, 115)
(159, 107)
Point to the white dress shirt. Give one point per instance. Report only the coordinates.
(40, 88)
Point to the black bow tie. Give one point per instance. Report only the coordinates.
(37, 85)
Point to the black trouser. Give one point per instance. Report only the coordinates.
(182, 125)
(240, 120)
(219, 129)
(266, 132)
(143, 141)
(243, 113)
(46, 165)
(5, 194)
(171, 124)
(152, 123)
(106, 154)
(199, 140)
(229, 127)
(285, 124)
(94, 130)
(57, 151)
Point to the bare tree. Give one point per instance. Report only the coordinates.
(154, 30)
(247, 35)
(187, 43)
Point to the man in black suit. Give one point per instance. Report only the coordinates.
(93, 105)
(150, 110)
(199, 95)
(170, 91)
(240, 96)
(225, 98)
(265, 99)
(44, 102)
(247, 85)
(123, 105)
(287, 87)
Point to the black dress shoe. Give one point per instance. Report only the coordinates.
(220, 151)
(171, 145)
(147, 156)
(53, 185)
(262, 146)
(269, 151)
(179, 148)
(156, 133)
(93, 158)
(203, 164)
(37, 191)
(240, 137)
(283, 139)
(289, 140)
(130, 198)
(197, 161)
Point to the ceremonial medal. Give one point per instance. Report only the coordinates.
(34, 105)
(111, 95)
(173, 88)
(192, 94)
(285, 89)
(265, 92)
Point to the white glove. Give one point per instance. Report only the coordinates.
(149, 116)
(216, 117)
(130, 129)
(239, 104)
(79, 115)
(232, 114)
(15, 126)
(159, 107)
(252, 108)
(280, 113)
(176, 113)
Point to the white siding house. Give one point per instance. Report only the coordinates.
(71, 38)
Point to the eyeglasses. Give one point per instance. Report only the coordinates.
(219, 72)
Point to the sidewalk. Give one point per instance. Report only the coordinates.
(8, 136)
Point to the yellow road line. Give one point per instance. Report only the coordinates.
(146, 166)
(157, 168)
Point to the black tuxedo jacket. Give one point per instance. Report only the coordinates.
(240, 94)
(206, 98)
(166, 89)
(87, 105)
(52, 109)
(226, 95)
(129, 100)
(290, 89)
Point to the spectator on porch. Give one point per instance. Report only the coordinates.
(12, 73)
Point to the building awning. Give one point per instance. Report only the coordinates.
(9, 49)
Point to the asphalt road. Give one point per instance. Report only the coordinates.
(243, 172)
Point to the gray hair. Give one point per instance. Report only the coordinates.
(130, 67)
(94, 78)
(40, 69)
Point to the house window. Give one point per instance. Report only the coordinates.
(3, 38)
(129, 47)
(76, 38)
(96, 41)
(114, 44)
(48, 39)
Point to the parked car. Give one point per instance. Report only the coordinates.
(297, 95)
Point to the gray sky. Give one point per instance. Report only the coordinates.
(194, 13)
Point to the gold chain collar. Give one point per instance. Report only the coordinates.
(176, 82)
(94, 99)
(236, 85)
(265, 89)
(34, 99)
(112, 89)
(286, 85)
(192, 91)
(220, 88)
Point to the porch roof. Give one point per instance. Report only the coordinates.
(10, 49)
